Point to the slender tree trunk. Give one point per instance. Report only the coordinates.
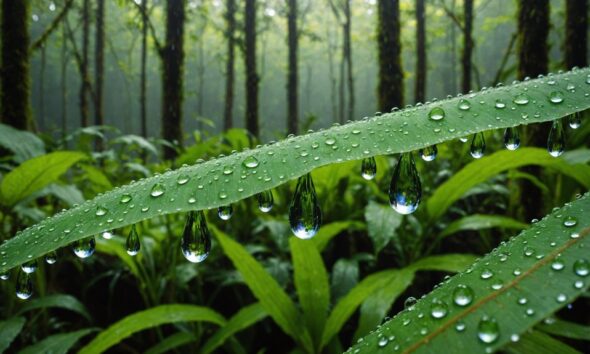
(99, 65)
(348, 57)
(467, 45)
(251, 75)
(533, 28)
(420, 89)
(391, 81)
(16, 85)
(332, 71)
(342, 85)
(84, 111)
(453, 65)
(292, 76)
(42, 89)
(172, 75)
(200, 78)
(230, 18)
(576, 35)
(64, 80)
(143, 79)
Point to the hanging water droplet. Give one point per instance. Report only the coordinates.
(487, 330)
(125, 198)
(84, 248)
(478, 145)
(556, 97)
(107, 235)
(438, 309)
(556, 139)
(51, 257)
(429, 153)
(521, 99)
(133, 243)
(463, 295)
(582, 267)
(265, 201)
(225, 212)
(570, 221)
(24, 285)
(463, 139)
(410, 302)
(369, 168)
(250, 162)
(196, 239)
(101, 210)
(436, 113)
(464, 105)
(500, 104)
(30, 266)
(574, 120)
(157, 190)
(405, 189)
(305, 215)
(511, 138)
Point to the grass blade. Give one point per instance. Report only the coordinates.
(57, 343)
(172, 342)
(67, 302)
(479, 222)
(566, 329)
(540, 343)
(10, 329)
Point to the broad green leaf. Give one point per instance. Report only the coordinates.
(62, 301)
(311, 283)
(35, 174)
(245, 318)
(540, 343)
(329, 231)
(25, 145)
(382, 221)
(153, 317)
(116, 247)
(172, 342)
(9, 330)
(517, 285)
(96, 176)
(479, 222)
(272, 297)
(240, 175)
(57, 343)
(481, 170)
(566, 329)
(345, 276)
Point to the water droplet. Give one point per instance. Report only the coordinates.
(521, 99)
(4, 275)
(556, 139)
(523, 301)
(529, 251)
(511, 138)
(107, 235)
(157, 190)
(30, 266)
(410, 302)
(460, 326)
(556, 97)
(24, 285)
(464, 139)
(436, 113)
(225, 212)
(464, 105)
(557, 265)
(305, 215)
(574, 120)
(405, 189)
(429, 153)
(529, 312)
(500, 104)
(578, 284)
(561, 298)
(250, 162)
(486, 274)
(84, 248)
(462, 295)
(196, 239)
(125, 198)
(514, 338)
(478, 145)
(265, 201)
(487, 330)
(183, 179)
(330, 141)
(582, 267)
(570, 221)
(51, 257)
(382, 342)
(438, 309)
(101, 210)
(133, 243)
(368, 168)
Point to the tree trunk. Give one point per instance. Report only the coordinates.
(332, 72)
(391, 80)
(16, 85)
(143, 79)
(64, 80)
(467, 45)
(84, 64)
(230, 18)
(576, 35)
(420, 88)
(42, 89)
(348, 58)
(292, 76)
(172, 75)
(251, 75)
(453, 63)
(99, 64)
(533, 29)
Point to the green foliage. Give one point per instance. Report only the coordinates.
(57, 343)
(62, 301)
(10, 329)
(24, 145)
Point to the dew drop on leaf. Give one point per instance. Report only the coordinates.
(250, 162)
(51, 257)
(488, 330)
(133, 243)
(157, 190)
(582, 267)
(574, 120)
(4, 276)
(464, 105)
(84, 248)
(405, 189)
(24, 285)
(265, 201)
(225, 212)
(436, 113)
(438, 309)
(521, 99)
(330, 141)
(462, 295)
(511, 138)
(486, 274)
(570, 221)
(101, 210)
(556, 97)
(183, 179)
(125, 198)
(500, 104)
(410, 302)
(429, 153)
(305, 215)
(368, 168)
(478, 145)
(30, 266)
(196, 239)
(556, 139)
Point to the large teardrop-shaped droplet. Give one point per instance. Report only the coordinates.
(84, 248)
(429, 153)
(405, 190)
(24, 285)
(305, 215)
(556, 139)
(51, 257)
(225, 212)
(133, 243)
(265, 201)
(368, 168)
(574, 120)
(478, 145)
(196, 239)
(511, 138)
(30, 266)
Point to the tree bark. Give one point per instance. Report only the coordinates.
(99, 65)
(467, 45)
(84, 111)
(576, 35)
(16, 85)
(420, 89)
(172, 75)
(292, 76)
(251, 75)
(230, 18)
(64, 80)
(391, 82)
(143, 79)
(41, 124)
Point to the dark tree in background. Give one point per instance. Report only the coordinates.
(85, 79)
(172, 75)
(230, 19)
(391, 81)
(143, 78)
(292, 75)
(16, 88)
(533, 29)
(420, 89)
(251, 75)
(99, 64)
(467, 45)
(576, 35)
